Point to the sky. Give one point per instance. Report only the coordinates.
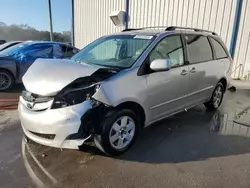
(35, 13)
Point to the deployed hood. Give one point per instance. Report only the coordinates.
(47, 77)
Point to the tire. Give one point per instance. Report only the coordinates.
(6, 80)
(119, 132)
(216, 98)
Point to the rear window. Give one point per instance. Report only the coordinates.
(199, 49)
(219, 50)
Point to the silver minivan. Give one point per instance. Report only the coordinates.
(121, 83)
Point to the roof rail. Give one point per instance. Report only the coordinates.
(153, 27)
(171, 28)
(131, 29)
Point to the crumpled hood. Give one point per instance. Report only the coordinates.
(47, 77)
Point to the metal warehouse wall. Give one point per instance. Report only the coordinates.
(91, 20)
(214, 15)
(242, 53)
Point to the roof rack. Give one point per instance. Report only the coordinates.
(131, 29)
(153, 27)
(172, 28)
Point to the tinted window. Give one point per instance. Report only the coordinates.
(64, 49)
(70, 52)
(219, 50)
(169, 48)
(199, 49)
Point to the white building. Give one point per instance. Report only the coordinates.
(91, 20)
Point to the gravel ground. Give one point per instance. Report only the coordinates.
(192, 149)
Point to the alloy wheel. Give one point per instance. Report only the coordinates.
(122, 132)
(217, 96)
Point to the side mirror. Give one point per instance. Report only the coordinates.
(160, 65)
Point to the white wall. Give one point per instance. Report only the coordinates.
(92, 20)
(242, 53)
(214, 15)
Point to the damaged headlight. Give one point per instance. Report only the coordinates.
(74, 96)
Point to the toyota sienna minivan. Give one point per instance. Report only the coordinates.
(121, 83)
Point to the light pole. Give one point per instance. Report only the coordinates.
(50, 21)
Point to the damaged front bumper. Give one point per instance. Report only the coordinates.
(60, 128)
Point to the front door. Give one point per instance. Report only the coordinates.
(167, 90)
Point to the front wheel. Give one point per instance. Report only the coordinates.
(119, 131)
(216, 98)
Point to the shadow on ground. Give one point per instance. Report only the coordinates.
(190, 136)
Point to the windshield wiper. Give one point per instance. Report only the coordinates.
(109, 66)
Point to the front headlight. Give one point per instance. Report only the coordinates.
(74, 96)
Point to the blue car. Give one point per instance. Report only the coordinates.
(15, 60)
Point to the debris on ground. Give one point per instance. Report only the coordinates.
(232, 88)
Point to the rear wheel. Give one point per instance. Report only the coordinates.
(120, 130)
(6, 80)
(216, 98)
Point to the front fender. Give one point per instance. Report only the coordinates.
(112, 98)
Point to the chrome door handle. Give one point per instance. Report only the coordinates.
(193, 70)
(184, 72)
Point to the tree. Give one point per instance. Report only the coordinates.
(24, 32)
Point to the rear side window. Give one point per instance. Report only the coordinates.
(219, 50)
(199, 49)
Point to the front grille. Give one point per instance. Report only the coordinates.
(46, 136)
(31, 97)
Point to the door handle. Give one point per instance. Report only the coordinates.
(193, 70)
(184, 72)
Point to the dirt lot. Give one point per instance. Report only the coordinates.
(192, 149)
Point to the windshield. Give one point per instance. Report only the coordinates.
(118, 51)
(13, 49)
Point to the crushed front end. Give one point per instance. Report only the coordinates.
(67, 119)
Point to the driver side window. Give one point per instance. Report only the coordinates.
(169, 48)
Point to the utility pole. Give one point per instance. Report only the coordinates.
(50, 21)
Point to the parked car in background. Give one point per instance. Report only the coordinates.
(121, 83)
(2, 41)
(15, 60)
(8, 44)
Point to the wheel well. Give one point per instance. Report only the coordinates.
(3, 69)
(224, 83)
(135, 107)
